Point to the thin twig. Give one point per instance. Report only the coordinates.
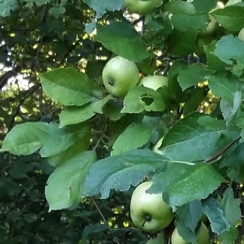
(222, 151)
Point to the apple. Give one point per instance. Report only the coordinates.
(241, 34)
(148, 211)
(142, 7)
(119, 76)
(154, 81)
(202, 236)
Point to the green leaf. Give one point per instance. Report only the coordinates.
(192, 75)
(141, 98)
(234, 160)
(60, 140)
(122, 39)
(74, 115)
(65, 186)
(231, 17)
(119, 172)
(197, 137)
(195, 98)
(231, 207)
(57, 140)
(188, 217)
(182, 183)
(180, 7)
(101, 6)
(218, 222)
(204, 6)
(230, 49)
(224, 85)
(9, 187)
(182, 43)
(81, 143)
(214, 63)
(92, 229)
(25, 139)
(129, 139)
(56, 11)
(7, 6)
(187, 22)
(68, 86)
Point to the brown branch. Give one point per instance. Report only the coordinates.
(68, 52)
(22, 100)
(222, 151)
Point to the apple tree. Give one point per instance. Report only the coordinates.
(153, 93)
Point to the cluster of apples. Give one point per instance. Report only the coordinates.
(150, 213)
(120, 75)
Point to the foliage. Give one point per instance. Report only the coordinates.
(71, 153)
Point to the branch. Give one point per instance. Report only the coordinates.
(222, 151)
(22, 100)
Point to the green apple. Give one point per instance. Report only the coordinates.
(154, 81)
(142, 7)
(202, 236)
(148, 211)
(241, 34)
(119, 76)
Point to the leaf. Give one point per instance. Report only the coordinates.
(188, 217)
(74, 115)
(141, 98)
(218, 222)
(182, 43)
(119, 172)
(224, 85)
(231, 207)
(25, 139)
(122, 39)
(65, 186)
(195, 138)
(57, 140)
(68, 86)
(81, 142)
(231, 17)
(230, 49)
(192, 75)
(204, 6)
(234, 160)
(214, 63)
(91, 230)
(101, 6)
(129, 139)
(179, 7)
(189, 22)
(9, 187)
(182, 183)
(7, 6)
(196, 97)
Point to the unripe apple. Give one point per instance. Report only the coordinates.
(202, 236)
(148, 211)
(241, 34)
(119, 76)
(154, 81)
(142, 7)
